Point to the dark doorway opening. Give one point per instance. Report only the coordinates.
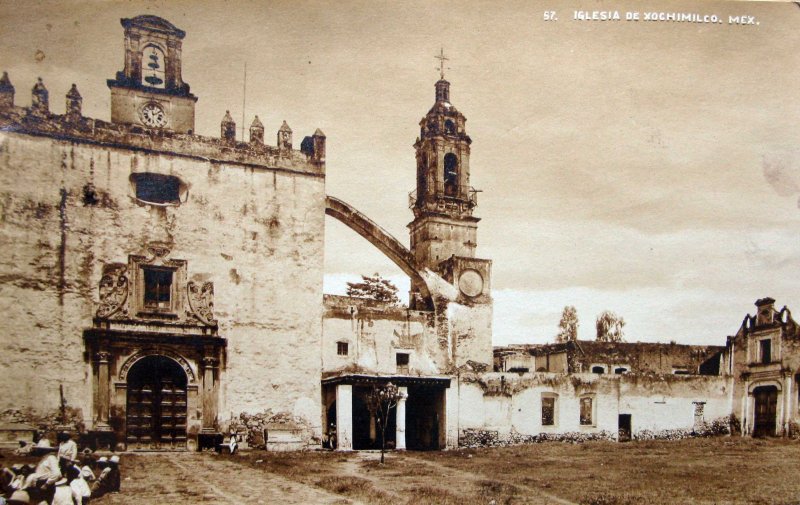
(766, 411)
(156, 404)
(366, 430)
(624, 427)
(425, 418)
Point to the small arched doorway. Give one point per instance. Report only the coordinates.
(156, 404)
(766, 411)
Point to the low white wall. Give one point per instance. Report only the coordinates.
(511, 404)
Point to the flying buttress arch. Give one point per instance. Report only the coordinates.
(380, 238)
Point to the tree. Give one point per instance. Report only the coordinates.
(380, 401)
(374, 287)
(609, 327)
(568, 326)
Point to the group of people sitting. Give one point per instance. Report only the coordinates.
(64, 477)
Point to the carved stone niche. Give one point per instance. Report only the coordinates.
(154, 288)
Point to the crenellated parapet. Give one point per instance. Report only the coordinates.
(72, 126)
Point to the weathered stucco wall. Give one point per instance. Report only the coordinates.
(511, 404)
(256, 233)
(471, 333)
(375, 333)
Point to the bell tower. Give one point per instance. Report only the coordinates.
(444, 231)
(149, 91)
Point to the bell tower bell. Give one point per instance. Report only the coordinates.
(149, 91)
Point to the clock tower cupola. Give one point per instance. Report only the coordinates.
(149, 91)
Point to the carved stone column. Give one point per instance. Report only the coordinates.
(400, 434)
(102, 359)
(210, 365)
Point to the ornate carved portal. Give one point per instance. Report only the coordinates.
(155, 287)
(155, 352)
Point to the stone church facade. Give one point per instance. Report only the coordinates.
(165, 284)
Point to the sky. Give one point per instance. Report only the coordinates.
(650, 168)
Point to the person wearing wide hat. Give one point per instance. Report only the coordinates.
(47, 473)
(114, 477)
(102, 484)
(80, 487)
(67, 448)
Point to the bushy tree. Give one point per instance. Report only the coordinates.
(609, 327)
(380, 401)
(568, 326)
(374, 287)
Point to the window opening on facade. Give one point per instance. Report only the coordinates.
(587, 419)
(765, 348)
(342, 348)
(598, 369)
(620, 370)
(548, 411)
(402, 360)
(157, 189)
(157, 288)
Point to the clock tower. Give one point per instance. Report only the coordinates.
(444, 230)
(149, 90)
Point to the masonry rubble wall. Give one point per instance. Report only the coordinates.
(500, 408)
(253, 229)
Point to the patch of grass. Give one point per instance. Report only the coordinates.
(427, 495)
(500, 492)
(357, 488)
(610, 499)
(730, 470)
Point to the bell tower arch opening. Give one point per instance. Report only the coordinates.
(149, 91)
(450, 175)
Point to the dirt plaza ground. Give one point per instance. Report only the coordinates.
(701, 471)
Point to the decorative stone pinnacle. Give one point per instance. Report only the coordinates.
(5, 83)
(285, 127)
(73, 92)
(256, 123)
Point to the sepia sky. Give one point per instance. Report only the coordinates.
(648, 168)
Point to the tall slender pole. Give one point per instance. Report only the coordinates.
(244, 97)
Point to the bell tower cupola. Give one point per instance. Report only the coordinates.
(149, 91)
(444, 230)
(444, 200)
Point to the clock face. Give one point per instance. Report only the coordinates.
(153, 115)
(470, 283)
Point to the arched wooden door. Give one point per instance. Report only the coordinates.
(766, 411)
(156, 404)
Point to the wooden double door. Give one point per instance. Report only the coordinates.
(766, 411)
(156, 405)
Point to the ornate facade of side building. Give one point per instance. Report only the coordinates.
(166, 285)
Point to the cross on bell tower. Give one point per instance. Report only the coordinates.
(443, 202)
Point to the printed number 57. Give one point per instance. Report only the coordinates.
(549, 15)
